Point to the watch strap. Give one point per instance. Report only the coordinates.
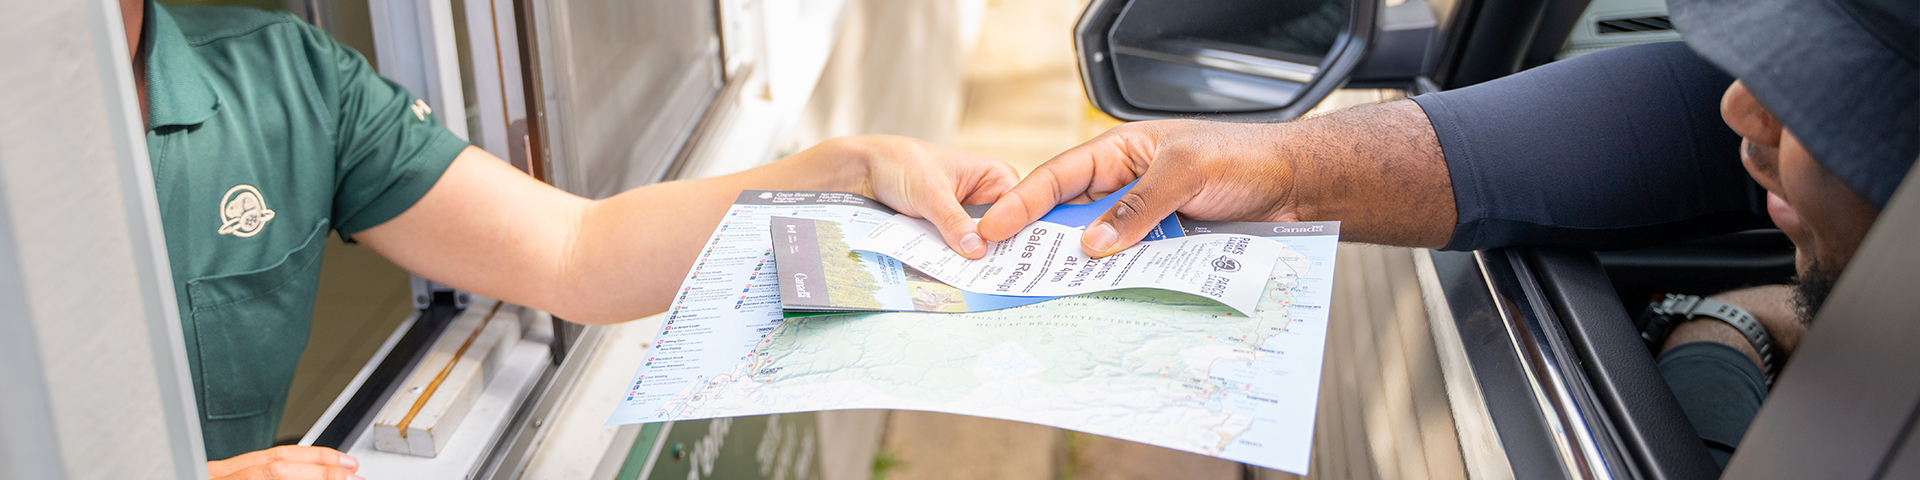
(1690, 307)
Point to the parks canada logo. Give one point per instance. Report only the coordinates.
(1226, 264)
(243, 212)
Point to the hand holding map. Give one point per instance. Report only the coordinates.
(1045, 260)
(1149, 366)
(868, 282)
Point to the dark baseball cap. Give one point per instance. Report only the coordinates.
(1843, 75)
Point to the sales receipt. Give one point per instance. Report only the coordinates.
(1045, 260)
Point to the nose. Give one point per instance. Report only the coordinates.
(1759, 132)
(1762, 162)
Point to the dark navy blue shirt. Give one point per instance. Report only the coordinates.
(1616, 149)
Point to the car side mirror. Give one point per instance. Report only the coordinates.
(1245, 60)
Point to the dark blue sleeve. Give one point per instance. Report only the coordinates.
(1616, 149)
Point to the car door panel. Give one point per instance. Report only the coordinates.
(1481, 322)
(1646, 419)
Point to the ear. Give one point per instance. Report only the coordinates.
(1748, 117)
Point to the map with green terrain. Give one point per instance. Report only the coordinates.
(1151, 366)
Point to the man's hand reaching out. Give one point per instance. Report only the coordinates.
(1206, 170)
(1376, 168)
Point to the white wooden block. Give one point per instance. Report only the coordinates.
(386, 425)
(511, 332)
(442, 413)
(449, 403)
(538, 325)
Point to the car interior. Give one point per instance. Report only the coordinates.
(1595, 295)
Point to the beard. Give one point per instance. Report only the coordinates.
(1810, 289)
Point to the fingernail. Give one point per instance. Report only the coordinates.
(349, 462)
(356, 477)
(971, 243)
(1101, 237)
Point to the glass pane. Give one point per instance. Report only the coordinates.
(346, 21)
(297, 7)
(632, 80)
(1224, 56)
(463, 49)
(1304, 28)
(349, 22)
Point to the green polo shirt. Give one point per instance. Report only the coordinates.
(265, 135)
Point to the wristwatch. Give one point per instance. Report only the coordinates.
(1664, 314)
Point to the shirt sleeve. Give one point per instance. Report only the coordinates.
(1616, 149)
(387, 153)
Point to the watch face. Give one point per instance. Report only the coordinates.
(1655, 323)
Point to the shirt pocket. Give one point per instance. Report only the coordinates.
(251, 327)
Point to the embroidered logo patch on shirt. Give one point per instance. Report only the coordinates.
(420, 109)
(243, 212)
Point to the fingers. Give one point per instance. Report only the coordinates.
(291, 471)
(1159, 193)
(1067, 176)
(286, 457)
(313, 455)
(930, 182)
(956, 227)
(992, 184)
(977, 180)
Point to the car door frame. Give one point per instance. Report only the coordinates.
(1570, 388)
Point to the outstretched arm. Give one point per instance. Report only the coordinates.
(1376, 168)
(1614, 149)
(490, 229)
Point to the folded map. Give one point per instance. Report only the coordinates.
(1151, 366)
(866, 282)
(1045, 260)
(823, 274)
